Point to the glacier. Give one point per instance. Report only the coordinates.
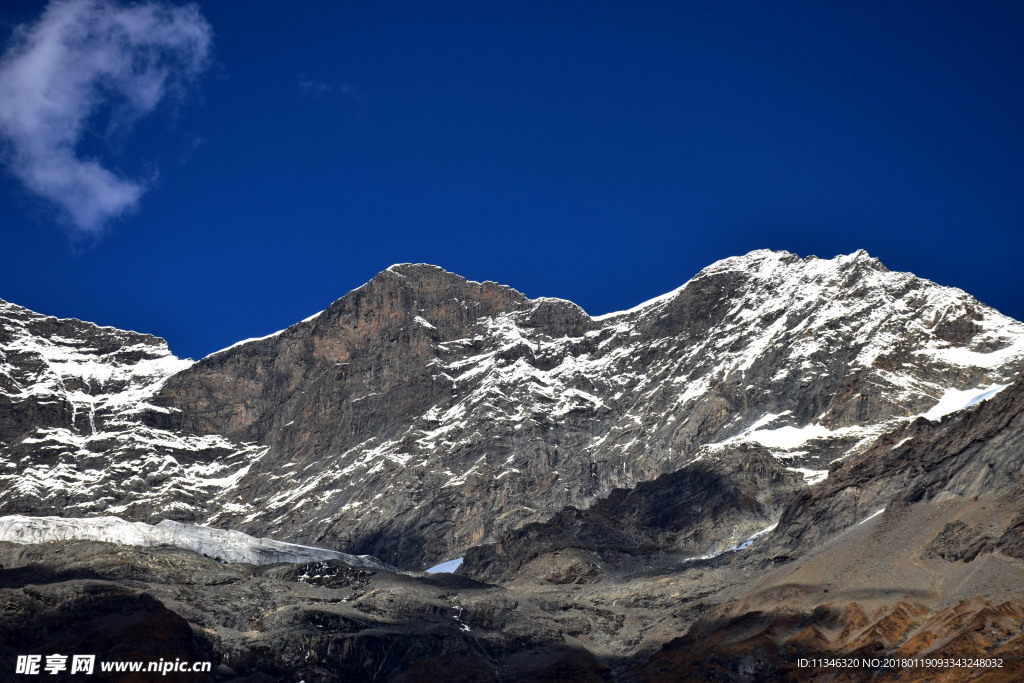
(219, 544)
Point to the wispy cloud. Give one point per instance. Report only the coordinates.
(312, 86)
(83, 58)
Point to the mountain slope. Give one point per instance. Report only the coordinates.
(936, 575)
(783, 458)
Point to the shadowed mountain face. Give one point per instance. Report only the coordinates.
(783, 458)
(689, 513)
(423, 413)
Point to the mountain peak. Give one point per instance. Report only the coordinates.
(767, 260)
(860, 258)
(428, 276)
(416, 269)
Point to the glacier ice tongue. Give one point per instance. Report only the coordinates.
(220, 544)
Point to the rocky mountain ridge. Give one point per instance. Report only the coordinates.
(913, 548)
(422, 413)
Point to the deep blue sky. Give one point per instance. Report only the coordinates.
(601, 152)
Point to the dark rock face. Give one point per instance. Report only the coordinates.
(113, 622)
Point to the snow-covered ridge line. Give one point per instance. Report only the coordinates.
(106, 328)
(252, 339)
(668, 296)
(307, 319)
(220, 544)
(760, 262)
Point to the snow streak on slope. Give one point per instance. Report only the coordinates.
(955, 400)
(445, 567)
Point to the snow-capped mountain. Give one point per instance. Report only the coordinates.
(423, 413)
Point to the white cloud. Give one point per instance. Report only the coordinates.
(83, 58)
(312, 86)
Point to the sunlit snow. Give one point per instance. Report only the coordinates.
(954, 400)
(445, 567)
(749, 541)
(872, 516)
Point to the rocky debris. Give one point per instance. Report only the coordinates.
(317, 622)
(959, 543)
(113, 622)
(756, 646)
